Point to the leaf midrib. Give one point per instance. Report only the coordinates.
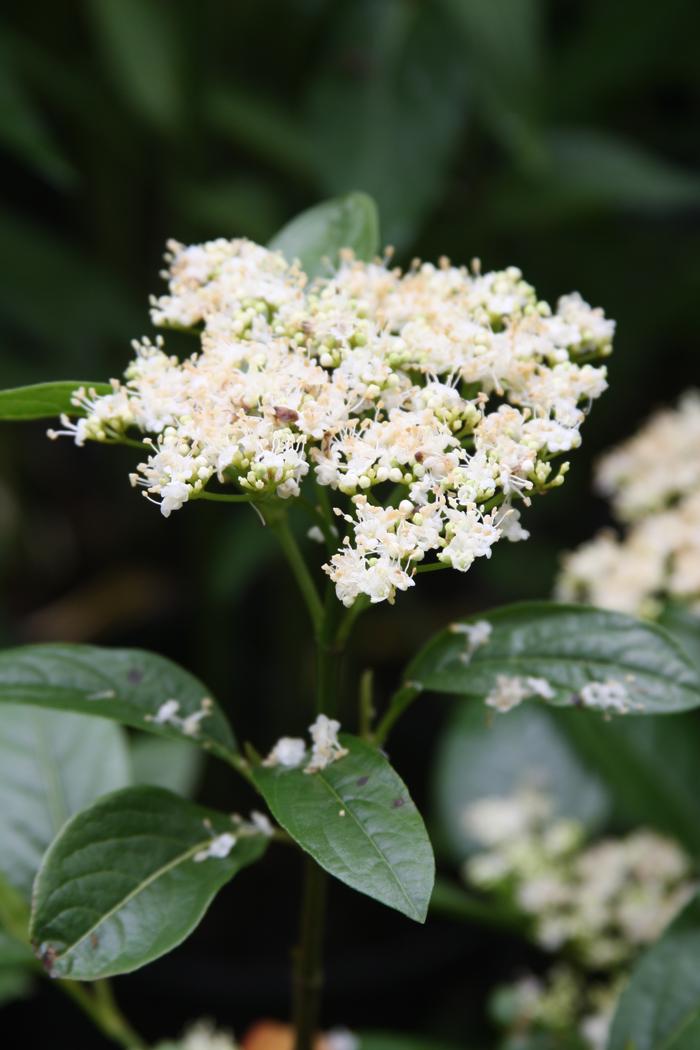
(348, 809)
(158, 873)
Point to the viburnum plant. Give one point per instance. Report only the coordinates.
(409, 416)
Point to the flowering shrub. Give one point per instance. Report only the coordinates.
(408, 417)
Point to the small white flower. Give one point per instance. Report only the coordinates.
(218, 848)
(325, 745)
(289, 752)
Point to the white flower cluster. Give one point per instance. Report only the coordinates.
(602, 901)
(432, 399)
(290, 752)
(653, 481)
(561, 1002)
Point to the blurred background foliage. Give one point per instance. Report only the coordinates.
(559, 136)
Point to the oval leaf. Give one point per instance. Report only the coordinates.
(52, 764)
(45, 400)
(569, 646)
(660, 1007)
(126, 881)
(130, 686)
(316, 236)
(357, 820)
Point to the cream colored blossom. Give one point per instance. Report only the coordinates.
(434, 399)
(653, 481)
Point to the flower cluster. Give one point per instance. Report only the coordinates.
(599, 904)
(431, 399)
(562, 1001)
(602, 901)
(653, 481)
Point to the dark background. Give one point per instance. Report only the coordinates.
(559, 136)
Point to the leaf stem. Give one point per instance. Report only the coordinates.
(401, 699)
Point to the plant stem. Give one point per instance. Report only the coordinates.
(308, 957)
(103, 1011)
(399, 702)
(280, 527)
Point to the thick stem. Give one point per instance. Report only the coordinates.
(308, 957)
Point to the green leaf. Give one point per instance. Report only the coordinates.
(632, 757)
(52, 764)
(316, 236)
(172, 764)
(685, 628)
(127, 685)
(387, 109)
(143, 53)
(569, 646)
(122, 885)
(357, 820)
(45, 400)
(480, 756)
(660, 1007)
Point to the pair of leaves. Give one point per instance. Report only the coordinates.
(314, 238)
(569, 646)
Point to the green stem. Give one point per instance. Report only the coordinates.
(225, 497)
(366, 704)
(280, 527)
(399, 702)
(103, 1011)
(308, 957)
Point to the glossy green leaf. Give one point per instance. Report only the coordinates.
(52, 764)
(167, 763)
(316, 236)
(357, 820)
(660, 1007)
(685, 628)
(569, 646)
(127, 880)
(387, 108)
(480, 755)
(127, 685)
(44, 400)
